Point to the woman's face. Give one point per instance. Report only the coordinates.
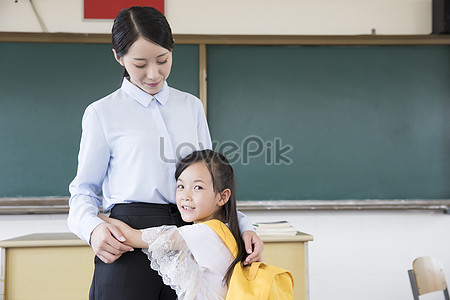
(148, 65)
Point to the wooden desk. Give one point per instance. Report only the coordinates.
(50, 266)
(290, 253)
(60, 266)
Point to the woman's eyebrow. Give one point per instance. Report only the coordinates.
(163, 54)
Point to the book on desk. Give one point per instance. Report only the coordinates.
(282, 228)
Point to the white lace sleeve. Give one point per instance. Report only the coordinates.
(170, 256)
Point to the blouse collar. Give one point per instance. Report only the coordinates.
(142, 97)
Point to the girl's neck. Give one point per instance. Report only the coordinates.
(215, 216)
(204, 220)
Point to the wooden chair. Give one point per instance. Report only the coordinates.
(426, 276)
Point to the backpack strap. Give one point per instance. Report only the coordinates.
(224, 233)
(253, 271)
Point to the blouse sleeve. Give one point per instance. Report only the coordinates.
(170, 256)
(93, 160)
(204, 137)
(244, 223)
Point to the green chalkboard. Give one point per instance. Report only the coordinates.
(329, 122)
(312, 122)
(44, 89)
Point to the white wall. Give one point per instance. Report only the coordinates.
(365, 255)
(321, 17)
(355, 255)
(17, 225)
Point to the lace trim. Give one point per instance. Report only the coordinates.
(171, 258)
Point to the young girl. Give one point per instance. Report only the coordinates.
(192, 259)
(128, 151)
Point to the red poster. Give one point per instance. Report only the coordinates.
(108, 9)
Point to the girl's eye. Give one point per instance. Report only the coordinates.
(180, 186)
(197, 187)
(140, 67)
(162, 62)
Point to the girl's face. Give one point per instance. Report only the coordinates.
(196, 199)
(148, 65)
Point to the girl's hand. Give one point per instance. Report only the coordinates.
(132, 237)
(254, 247)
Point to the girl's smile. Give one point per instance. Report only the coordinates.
(187, 207)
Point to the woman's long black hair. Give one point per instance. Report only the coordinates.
(140, 21)
(223, 178)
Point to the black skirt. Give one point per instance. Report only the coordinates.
(130, 276)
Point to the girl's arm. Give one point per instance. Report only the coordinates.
(133, 237)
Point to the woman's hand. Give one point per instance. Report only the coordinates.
(254, 247)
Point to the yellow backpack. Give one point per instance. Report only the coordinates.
(258, 281)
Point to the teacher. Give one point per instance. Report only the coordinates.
(130, 144)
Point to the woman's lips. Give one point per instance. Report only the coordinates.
(153, 84)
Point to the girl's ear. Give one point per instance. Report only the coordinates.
(224, 197)
(118, 59)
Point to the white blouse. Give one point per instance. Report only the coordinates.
(130, 144)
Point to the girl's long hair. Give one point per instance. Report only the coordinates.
(223, 178)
